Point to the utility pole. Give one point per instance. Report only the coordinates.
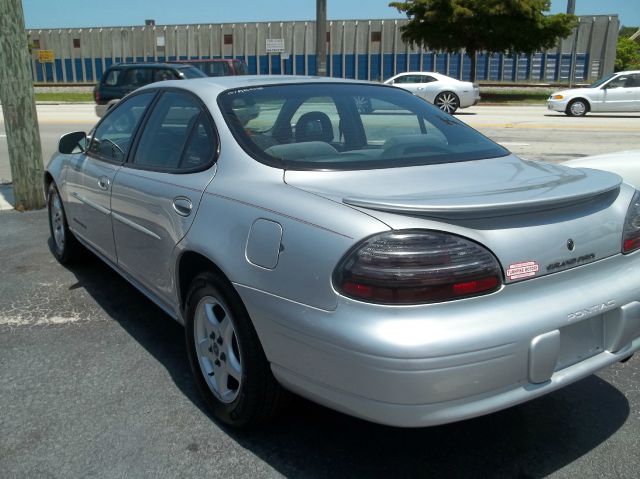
(571, 7)
(321, 38)
(19, 108)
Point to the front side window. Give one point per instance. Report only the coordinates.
(241, 68)
(618, 82)
(426, 79)
(407, 79)
(112, 138)
(324, 126)
(178, 136)
(136, 77)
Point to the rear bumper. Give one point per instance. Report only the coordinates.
(428, 365)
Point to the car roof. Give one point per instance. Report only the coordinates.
(205, 86)
(150, 65)
(435, 74)
(210, 60)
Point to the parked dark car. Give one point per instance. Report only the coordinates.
(120, 80)
(219, 67)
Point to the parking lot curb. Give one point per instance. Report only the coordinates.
(6, 197)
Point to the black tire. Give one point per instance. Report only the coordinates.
(64, 246)
(447, 101)
(577, 107)
(256, 397)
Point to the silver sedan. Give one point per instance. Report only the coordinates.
(445, 92)
(395, 265)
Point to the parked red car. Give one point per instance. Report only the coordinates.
(217, 67)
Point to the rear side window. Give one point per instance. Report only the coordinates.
(112, 77)
(112, 138)
(137, 76)
(178, 136)
(162, 74)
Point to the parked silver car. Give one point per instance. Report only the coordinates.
(618, 92)
(445, 92)
(397, 265)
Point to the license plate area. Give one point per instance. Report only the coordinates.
(580, 341)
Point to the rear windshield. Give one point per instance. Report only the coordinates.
(334, 126)
(190, 72)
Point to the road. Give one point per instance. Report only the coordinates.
(529, 131)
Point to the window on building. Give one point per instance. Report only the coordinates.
(36, 44)
(228, 39)
(76, 43)
(376, 36)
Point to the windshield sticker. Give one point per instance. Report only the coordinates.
(522, 270)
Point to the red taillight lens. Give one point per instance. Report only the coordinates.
(631, 231)
(96, 94)
(416, 266)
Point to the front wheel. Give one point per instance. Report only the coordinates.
(447, 101)
(226, 357)
(577, 107)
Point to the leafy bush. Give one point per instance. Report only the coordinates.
(627, 55)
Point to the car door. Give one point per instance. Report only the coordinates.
(157, 192)
(634, 85)
(429, 87)
(618, 94)
(408, 82)
(91, 175)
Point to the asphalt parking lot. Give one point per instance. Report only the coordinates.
(94, 382)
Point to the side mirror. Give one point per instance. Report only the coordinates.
(75, 142)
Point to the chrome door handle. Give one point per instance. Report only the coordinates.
(182, 205)
(104, 183)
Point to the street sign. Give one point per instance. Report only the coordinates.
(275, 45)
(46, 56)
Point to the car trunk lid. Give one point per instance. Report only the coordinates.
(537, 218)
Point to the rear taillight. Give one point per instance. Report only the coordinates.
(96, 94)
(416, 266)
(631, 231)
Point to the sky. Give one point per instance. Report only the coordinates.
(102, 13)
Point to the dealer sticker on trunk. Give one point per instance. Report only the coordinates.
(522, 270)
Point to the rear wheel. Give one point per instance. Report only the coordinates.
(447, 101)
(577, 107)
(227, 360)
(64, 245)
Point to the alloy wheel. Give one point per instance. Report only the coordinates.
(217, 348)
(447, 102)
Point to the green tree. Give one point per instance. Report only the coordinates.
(627, 55)
(515, 26)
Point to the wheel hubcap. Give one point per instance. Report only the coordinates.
(578, 108)
(57, 222)
(217, 348)
(447, 102)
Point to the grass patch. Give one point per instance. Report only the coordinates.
(64, 96)
(513, 97)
